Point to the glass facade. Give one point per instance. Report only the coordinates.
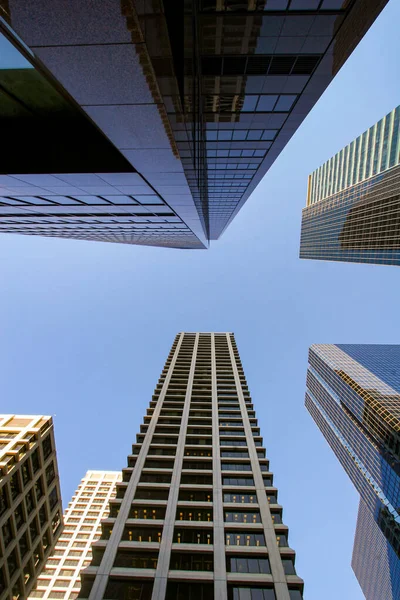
(353, 394)
(375, 563)
(353, 207)
(184, 103)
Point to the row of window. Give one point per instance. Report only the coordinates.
(120, 589)
(192, 536)
(200, 562)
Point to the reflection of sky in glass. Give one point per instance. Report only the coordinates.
(10, 57)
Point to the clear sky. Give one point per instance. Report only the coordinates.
(86, 326)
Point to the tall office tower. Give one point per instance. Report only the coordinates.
(30, 501)
(196, 516)
(353, 394)
(353, 206)
(61, 576)
(152, 122)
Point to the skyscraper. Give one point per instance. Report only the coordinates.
(152, 123)
(353, 206)
(196, 516)
(60, 578)
(30, 501)
(353, 394)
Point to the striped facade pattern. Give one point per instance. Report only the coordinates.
(373, 152)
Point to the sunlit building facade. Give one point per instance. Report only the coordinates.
(353, 394)
(196, 516)
(353, 206)
(152, 123)
(60, 578)
(30, 501)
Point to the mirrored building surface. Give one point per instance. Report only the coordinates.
(152, 122)
(353, 394)
(196, 516)
(353, 202)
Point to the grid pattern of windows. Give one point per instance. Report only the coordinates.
(353, 205)
(30, 501)
(225, 85)
(375, 563)
(90, 504)
(193, 521)
(353, 394)
(143, 218)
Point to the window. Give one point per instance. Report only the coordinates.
(226, 466)
(248, 564)
(195, 496)
(191, 562)
(242, 517)
(7, 532)
(241, 498)
(251, 593)
(184, 514)
(35, 460)
(19, 516)
(295, 595)
(281, 540)
(26, 473)
(135, 560)
(53, 498)
(236, 538)
(50, 473)
(3, 500)
(38, 489)
(119, 589)
(15, 486)
(143, 494)
(140, 512)
(288, 566)
(248, 481)
(142, 534)
(189, 591)
(47, 447)
(191, 536)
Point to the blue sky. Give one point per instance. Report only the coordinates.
(86, 326)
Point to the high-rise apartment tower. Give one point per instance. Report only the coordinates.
(60, 578)
(152, 122)
(30, 501)
(196, 516)
(353, 394)
(353, 206)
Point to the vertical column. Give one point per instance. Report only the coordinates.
(108, 559)
(278, 574)
(161, 576)
(220, 587)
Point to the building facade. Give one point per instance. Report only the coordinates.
(60, 578)
(196, 516)
(353, 394)
(30, 501)
(353, 206)
(156, 128)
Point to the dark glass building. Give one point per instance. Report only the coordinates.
(152, 122)
(353, 202)
(196, 516)
(353, 394)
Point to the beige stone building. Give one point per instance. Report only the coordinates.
(61, 576)
(30, 501)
